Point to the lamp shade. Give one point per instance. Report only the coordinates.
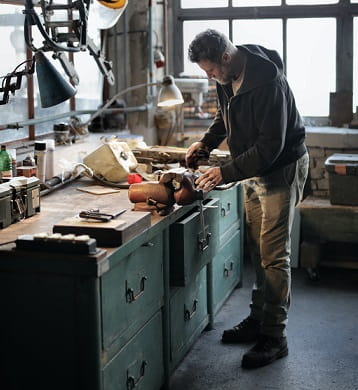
(54, 89)
(169, 94)
(104, 14)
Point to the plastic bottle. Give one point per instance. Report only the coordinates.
(5, 163)
(40, 159)
(50, 159)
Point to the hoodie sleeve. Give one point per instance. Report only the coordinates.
(270, 112)
(216, 132)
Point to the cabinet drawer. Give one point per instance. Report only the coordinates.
(187, 256)
(228, 207)
(226, 269)
(139, 364)
(132, 292)
(188, 315)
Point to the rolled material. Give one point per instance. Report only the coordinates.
(142, 192)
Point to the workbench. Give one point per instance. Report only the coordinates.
(122, 318)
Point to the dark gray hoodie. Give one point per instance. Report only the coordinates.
(263, 128)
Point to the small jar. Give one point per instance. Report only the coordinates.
(62, 133)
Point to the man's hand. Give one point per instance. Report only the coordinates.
(210, 179)
(192, 152)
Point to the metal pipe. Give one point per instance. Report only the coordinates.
(115, 46)
(17, 125)
(30, 97)
(166, 36)
(125, 48)
(150, 45)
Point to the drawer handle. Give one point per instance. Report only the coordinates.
(187, 315)
(223, 210)
(131, 382)
(131, 297)
(228, 271)
(203, 239)
(148, 244)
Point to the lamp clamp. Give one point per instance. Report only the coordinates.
(9, 86)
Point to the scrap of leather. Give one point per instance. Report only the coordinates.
(174, 186)
(141, 192)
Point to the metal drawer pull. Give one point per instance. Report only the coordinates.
(228, 271)
(223, 210)
(187, 315)
(203, 240)
(148, 244)
(131, 382)
(130, 292)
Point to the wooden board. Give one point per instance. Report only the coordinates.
(108, 234)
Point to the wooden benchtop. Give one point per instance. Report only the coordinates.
(68, 202)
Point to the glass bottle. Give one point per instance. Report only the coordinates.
(5, 163)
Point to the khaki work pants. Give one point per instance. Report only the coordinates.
(270, 203)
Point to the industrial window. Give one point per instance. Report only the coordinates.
(204, 3)
(314, 38)
(312, 75)
(13, 53)
(24, 104)
(250, 30)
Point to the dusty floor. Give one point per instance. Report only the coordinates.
(322, 336)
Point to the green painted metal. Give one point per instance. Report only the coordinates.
(139, 364)
(228, 207)
(188, 314)
(226, 269)
(186, 257)
(131, 293)
(89, 322)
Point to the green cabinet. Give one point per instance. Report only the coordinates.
(187, 254)
(188, 316)
(131, 292)
(121, 319)
(226, 268)
(229, 207)
(139, 364)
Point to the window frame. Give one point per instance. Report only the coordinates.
(343, 12)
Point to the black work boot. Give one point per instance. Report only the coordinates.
(246, 332)
(267, 350)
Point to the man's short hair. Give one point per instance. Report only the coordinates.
(208, 45)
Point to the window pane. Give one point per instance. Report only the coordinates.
(88, 94)
(190, 30)
(310, 2)
(254, 3)
(204, 3)
(265, 32)
(355, 65)
(13, 53)
(311, 63)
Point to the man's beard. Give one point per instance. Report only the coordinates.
(227, 78)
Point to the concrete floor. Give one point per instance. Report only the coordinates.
(322, 336)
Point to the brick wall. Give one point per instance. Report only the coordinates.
(321, 144)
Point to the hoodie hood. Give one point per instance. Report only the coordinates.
(262, 66)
